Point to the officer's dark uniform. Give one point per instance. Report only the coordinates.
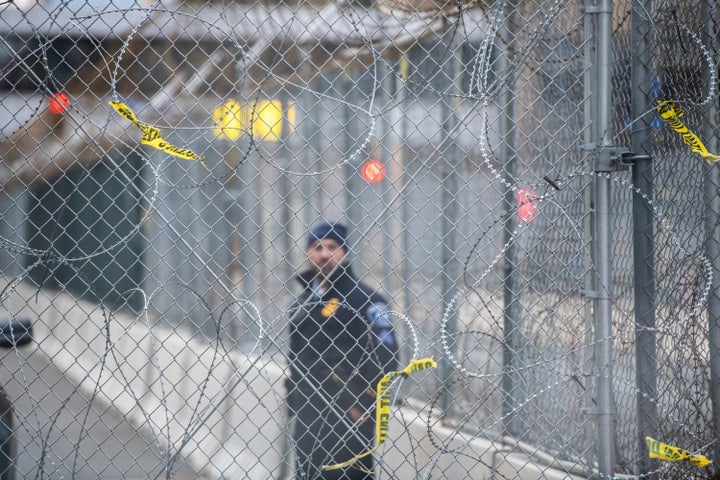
(341, 344)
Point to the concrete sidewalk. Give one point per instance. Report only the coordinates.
(62, 434)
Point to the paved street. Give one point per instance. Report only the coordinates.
(62, 435)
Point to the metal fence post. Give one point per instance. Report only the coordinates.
(246, 224)
(512, 308)
(352, 134)
(601, 14)
(285, 190)
(450, 208)
(643, 236)
(712, 233)
(409, 300)
(311, 136)
(390, 145)
(588, 225)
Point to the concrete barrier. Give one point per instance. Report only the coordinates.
(223, 410)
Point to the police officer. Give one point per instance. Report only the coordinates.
(341, 344)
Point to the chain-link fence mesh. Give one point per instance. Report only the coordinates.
(163, 163)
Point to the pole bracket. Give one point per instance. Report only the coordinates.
(612, 159)
(596, 9)
(596, 411)
(631, 159)
(594, 294)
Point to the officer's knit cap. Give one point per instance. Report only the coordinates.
(334, 231)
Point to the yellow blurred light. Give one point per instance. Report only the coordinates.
(267, 118)
(262, 118)
(291, 117)
(228, 121)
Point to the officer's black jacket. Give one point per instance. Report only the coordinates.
(339, 342)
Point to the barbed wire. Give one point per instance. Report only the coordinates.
(551, 196)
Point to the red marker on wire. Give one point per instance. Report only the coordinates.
(58, 103)
(373, 171)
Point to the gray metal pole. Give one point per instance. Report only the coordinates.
(712, 211)
(602, 12)
(247, 225)
(589, 82)
(389, 225)
(352, 135)
(284, 243)
(406, 177)
(312, 143)
(643, 235)
(450, 208)
(512, 312)
(307, 131)
(285, 189)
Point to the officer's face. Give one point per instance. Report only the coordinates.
(324, 255)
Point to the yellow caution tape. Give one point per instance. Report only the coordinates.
(671, 114)
(382, 408)
(663, 451)
(153, 136)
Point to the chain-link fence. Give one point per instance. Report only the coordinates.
(530, 198)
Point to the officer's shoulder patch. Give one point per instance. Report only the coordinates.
(377, 314)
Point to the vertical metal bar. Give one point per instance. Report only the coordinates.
(14, 205)
(235, 239)
(246, 226)
(602, 13)
(409, 300)
(450, 207)
(351, 134)
(310, 132)
(588, 224)
(643, 234)
(709, 11)
(306, 129)
(283, 244)
(285, 188)
(389, 140)
(511, 298)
